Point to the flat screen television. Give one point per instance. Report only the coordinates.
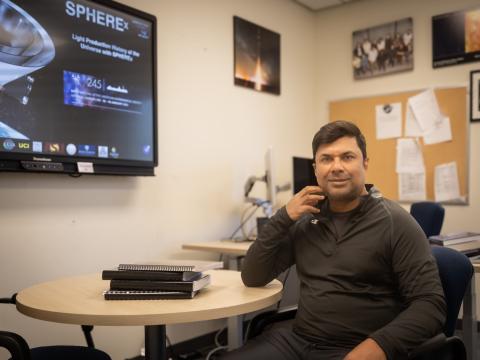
(303, 173)
(456, 37)
(77, 87)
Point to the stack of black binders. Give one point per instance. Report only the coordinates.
(154, 281)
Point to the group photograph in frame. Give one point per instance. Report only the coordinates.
(383, 49)
(256, 57)
(475, 95)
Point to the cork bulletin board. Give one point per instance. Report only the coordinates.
(382, 153)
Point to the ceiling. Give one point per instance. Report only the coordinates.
(316, 5)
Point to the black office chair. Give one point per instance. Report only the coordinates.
(455, 271)
(429, 216)
(19, 349)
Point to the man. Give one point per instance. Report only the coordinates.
(369, 287)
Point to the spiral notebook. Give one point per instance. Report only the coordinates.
(174, 266)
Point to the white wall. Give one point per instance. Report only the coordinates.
(212, 135)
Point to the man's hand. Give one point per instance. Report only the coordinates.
(366, 350)
(304, 202)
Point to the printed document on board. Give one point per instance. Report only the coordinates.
(412, 127)
(426, 110)
(388, 121)
(409, 157)
(442, 132)
(446, 182)
(411, 186)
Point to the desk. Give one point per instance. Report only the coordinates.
(79, 300)
(225, 247)
(230, 248)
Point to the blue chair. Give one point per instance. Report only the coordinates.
(455, 271)
(429, 216)
(19, 349)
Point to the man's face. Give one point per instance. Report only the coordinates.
(340, 170)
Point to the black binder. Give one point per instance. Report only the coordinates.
(147, 295)
(150, 275)
(118, 284)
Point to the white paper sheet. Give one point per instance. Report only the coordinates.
(446, 182)
(412, 127)
(411, 187)
(426, 110)
(441, 133)
(409, 157)
(389, 121)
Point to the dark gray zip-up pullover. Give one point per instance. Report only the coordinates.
(377, 280)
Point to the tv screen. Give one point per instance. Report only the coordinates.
(303, 173)
(77, 87)
(456, 38)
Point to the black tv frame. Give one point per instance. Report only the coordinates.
(18, 162)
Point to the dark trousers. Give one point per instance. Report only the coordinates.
(284, 344)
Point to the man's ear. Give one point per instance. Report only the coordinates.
(365, 163)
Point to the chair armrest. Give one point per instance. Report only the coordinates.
(260, 321)
(15, 344)
(440, 348)
(429, 345)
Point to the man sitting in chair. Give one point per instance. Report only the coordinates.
(369, 287)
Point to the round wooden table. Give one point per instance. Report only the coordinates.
(79, 300)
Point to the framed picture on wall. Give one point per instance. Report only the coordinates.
(383, 49)
(256, 57)
(456, 38)
(475, 95)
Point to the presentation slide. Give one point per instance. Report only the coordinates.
(75, 72)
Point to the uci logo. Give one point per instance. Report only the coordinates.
(23, 145)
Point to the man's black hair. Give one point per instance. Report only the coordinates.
(336, 130)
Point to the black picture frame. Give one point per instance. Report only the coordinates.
(475, 95)
(256, 57)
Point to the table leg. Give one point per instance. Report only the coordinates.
(469, 322)
(155, 342)
(235, 332)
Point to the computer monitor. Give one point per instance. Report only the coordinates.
(303, 173)
(78, 89)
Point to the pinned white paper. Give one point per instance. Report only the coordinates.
(412, 187)
(409, 157)
(441, 133)
(426, 110)
(388, 121)
(412, 127)
(446, 182)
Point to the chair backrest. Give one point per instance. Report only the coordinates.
(455, 271)
(429, 216)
